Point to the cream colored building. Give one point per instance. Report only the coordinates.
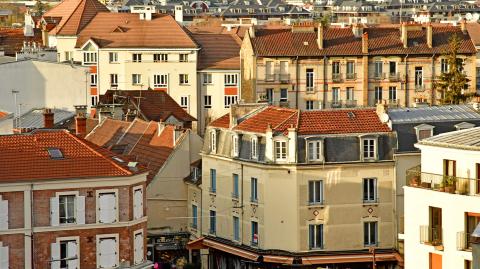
(281, 187)
(310, 67)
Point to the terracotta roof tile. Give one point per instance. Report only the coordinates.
(474, 32)
(160, 32)
(108, 132)
(218, 51)
(25, 157)
(11, 39)
(222, 122)
(341, 41)
(276, 117)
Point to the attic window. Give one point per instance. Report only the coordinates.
(423, 131)
(55, 153)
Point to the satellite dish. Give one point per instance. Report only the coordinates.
(384, 118)
(476, 16)
(469, 16)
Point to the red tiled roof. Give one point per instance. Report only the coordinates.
(218, 51)
(108, 132)
(74, 15)
(154, 105)
(25, 157)
(474, 32)
(160, 32)
(339, 121)
(11, 39)
(341, 41)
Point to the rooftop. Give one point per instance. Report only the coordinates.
(432, 114)
(468, 139)
(11, 40)
(34, 118)
(26, 157)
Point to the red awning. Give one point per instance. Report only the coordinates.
(379, 257)
(196, 244)
(278, 259)
(232, 250)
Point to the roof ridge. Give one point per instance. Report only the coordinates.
(140, 137)
(289, 117)
(95, 128)
(70, 16)
(91, 148)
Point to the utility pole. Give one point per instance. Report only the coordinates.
(16, 113)
(372, 250)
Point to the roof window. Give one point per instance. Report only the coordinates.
(55, 153)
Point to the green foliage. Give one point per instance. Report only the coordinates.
(40, 8)
(454, 82)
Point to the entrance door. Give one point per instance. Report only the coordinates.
(435, 261)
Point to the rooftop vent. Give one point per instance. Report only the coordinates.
(118, 159)
(55, 153)
(351, 115)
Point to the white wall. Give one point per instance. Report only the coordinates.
(42, 84)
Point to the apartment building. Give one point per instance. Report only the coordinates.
(281, 186)
(310, 67)
(441, 201)
(66, 203)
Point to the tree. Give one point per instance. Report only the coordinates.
(452, 84)
(40, 8)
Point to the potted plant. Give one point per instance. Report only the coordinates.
(414, 181)
(449, 183)
(442, 186)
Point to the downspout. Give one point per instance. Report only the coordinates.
(297, 78)
(406, 82)
(241, 205)
(432, 90)
(325, 85)
(32, 224)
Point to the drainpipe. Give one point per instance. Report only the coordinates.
(432, 93)
(407, 95)
(475, 239)
(241, 205)
(297, 82)
(325, 85)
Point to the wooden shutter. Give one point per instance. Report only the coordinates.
(108, 208)
(138, 204)
(138, 248)
(54, 214)
(55, 255)
(80, 201)
(108, 253)
(72, 250)
(4, 259)
(3, 214)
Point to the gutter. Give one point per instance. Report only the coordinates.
(406, 81)
(297, 82)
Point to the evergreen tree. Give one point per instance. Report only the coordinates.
(452, 84)
(40, 8)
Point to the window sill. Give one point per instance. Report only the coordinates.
(315, 249)
(184, 84)
(314, 205)
(207, 107)
(254, 202)
(114, 62)
(371, 203)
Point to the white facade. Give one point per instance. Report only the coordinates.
(452, 251)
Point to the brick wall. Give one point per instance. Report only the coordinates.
(15, 244)
(15, 209)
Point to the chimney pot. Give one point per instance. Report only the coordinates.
(365, 43)
(404, 34)
(429, 35)
(81, 125)
(320, 36)
(463, 25)
(48, 118)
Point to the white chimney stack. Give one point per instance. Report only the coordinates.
(179, 13)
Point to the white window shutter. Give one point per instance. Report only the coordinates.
(138, 248)
(107, 208)
(108, 253)
(55, 256)
(80, 209)
(4, 259)
(54, 214)
(72, 255)
(3, 214)
(138, 204)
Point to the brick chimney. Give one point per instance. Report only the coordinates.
(320, 36)
(429, 35)
(365, 43)
(404, 34)
(48, 119)
(80, 125)
(357, 30)
(463, 26)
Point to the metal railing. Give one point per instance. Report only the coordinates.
(337, 77)
(350, 103)
(282, 78)
(351, 76)
(394, 77)
(431, 235)
(463, 241)
(269, 77)
(335, 104)
(442, 183)
(378, 75)
(419, 88)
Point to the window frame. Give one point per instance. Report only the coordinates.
(90, 58)
(137, 79)
(367, 229)
(213, 141)
(113, 57)
(213, 180)
(101, 237)
(316, 195)
(98, 206)
(142, 211)
(369, 152)
(282, 154)
(315, 148)
(212, 222)
(183, 79)
(160, 80)
(113, 80)
(236, 228)
(254, 231)
(230, 100)
(369, 195)
(254, 189)
(235, 145)
(254, 148)
(207, 79)
(315, 245)
(230, 79)
(205, 103)
(423, 127)
(93, 79)
(136, 57)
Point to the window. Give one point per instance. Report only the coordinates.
(194, 217)
(254, 189)
(107, 252)
(254, 233)
(269, 76)
(336, 68)
(309, 105)
(4, 257)
(310, 79)
(270, 96)
(235, 145)
(315, 192)
(230, 100)
(114, 80)
(449, 168)
(236, 228)
(369, 190)
(350, 70)
(315, 235)
(68, 56)
(335, 95)
(378, 69)
(254, 150)
(350, 94)
(138, 203)
(378, 94)
(3, 214)
(89, 58)
(213, 222)
(231, 79)
(160, 57)
(235, 193)
(423, 131)
(64, 254)
(94, 100)
(370, 231)
(67, 208)
(315, 151)
(444, 65)
(107, 207)
(368, 145)
(138, 252)
(184, 102)
(137, 57)
(213, 180)
(183, 79)
(213, 141)
(280, 150)
(283, 95)
(93, 79)
(206, 78)
(392, 93)
(183, 57)
(136, 79)
(283, 67)
(418, 76)
(113, 57)
(392, 66)
(160, 81)
(207, 101)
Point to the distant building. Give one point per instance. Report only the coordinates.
(36, 119)
(441, 201)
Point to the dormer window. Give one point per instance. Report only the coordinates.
(195, 173)
(315, 151)
(89, 58)
(235, 145)
(254, 150)
(213, 141)
(423, 131)
(369, 148)
(464, 125)
(281, 150)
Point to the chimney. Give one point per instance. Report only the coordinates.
(463, 25)
(357, 30)
(251, 31)
(320, 36)
(179, 13)
(429, 35)
(48, 120)
(292, 144)
(382, 110)
(404, 34)
(365, 43)
(80, 125)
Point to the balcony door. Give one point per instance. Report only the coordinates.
(435, 261)
(449, 168)
(435, 225)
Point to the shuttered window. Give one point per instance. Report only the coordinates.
(64, 255)
(4, 260)
(138, 248)
(138, 203)
(107, 207)
(3, 214)
(107, 252)
(67, 209)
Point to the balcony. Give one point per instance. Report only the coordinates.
(335, 104)
(270, 77)
(337, 77)
(431, 235)
(393, 102)
(378, 76)
(350, 103)
(351, 76)
(284, 78)
(277, 78)
(394, 77)
(420, 88)
(310, 89)
(442, 183)
(464, 242)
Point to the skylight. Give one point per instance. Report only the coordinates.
(55, 153)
